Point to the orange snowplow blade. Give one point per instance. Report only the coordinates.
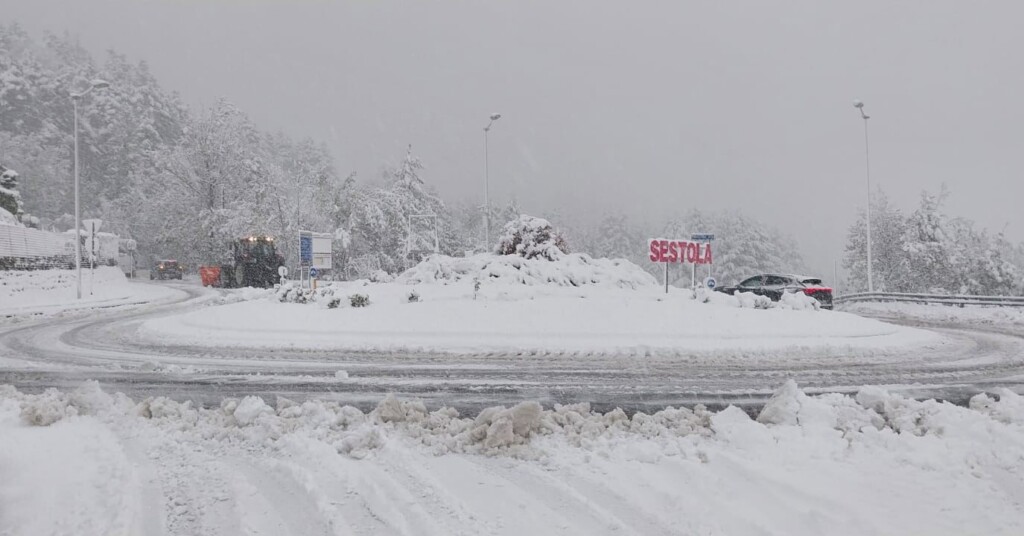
(210, 275)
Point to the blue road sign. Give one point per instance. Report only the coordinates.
(306, 248)
(313, 272)
(710, 283)
(702, 237)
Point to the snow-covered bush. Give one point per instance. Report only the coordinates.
(531, 238)
(413, 297)
(6, 218)
(359, 300)
(798, 301)
(10, 198)
(753, 301)
(380, 276)
(570, 270)
(291, 292)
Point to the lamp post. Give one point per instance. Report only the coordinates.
(867, 164)
(487, 182)
(75, 97)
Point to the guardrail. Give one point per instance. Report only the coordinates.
(957, 300)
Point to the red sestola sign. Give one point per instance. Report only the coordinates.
(664, 250)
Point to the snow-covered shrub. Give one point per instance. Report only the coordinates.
(531, 238)
(291, 292)
(571, 270)
(380, 276)
(750, 300)
(798, 301)
(10, 198)
(413, 297)
(359, 300)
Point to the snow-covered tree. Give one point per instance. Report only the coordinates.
(890, 260)
(378, 219)
(930, 251)
(530, 237)
(10, 198)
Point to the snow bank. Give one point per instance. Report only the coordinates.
(570, 270)
(51, 291)
(874, 463)
(978, 315)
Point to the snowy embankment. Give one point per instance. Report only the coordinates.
(971, 315)
(508, 304)
(38, 292)
(875, 463)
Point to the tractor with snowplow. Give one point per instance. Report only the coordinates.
(254, 263)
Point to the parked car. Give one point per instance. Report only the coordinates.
(166, 269)
(775, 285)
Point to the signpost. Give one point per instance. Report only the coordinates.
(93, 242)
(705, 238)
(692, 251)
(315, 254)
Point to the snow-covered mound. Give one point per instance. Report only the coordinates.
(570, 270)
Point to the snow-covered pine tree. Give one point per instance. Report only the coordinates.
(10, 198)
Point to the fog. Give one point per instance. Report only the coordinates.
(646, 108)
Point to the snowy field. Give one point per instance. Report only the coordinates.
(88, 462)
(509, 305)
(44, 292)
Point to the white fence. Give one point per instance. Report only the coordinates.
(956, 300)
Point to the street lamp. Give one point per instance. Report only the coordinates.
(867, 163)
(75, 97)
(487, 189)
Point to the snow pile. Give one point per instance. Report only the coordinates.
(236, 295)
(750, 300)
(569, 270)
(798, 301)
(531, 238)
(874, 463)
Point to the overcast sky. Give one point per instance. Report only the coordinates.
(649, 108)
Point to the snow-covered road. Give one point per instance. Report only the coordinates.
(65, 350)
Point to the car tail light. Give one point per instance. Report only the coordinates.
(810, 291)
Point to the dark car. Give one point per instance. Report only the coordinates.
(775, 285)
(166, 269)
